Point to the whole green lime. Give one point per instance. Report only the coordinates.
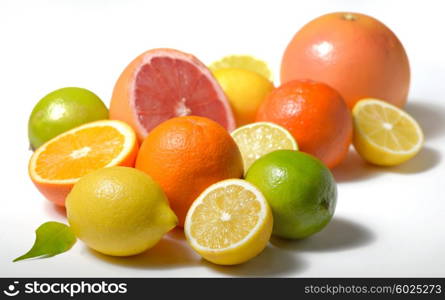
(300, 190)
(62, 110)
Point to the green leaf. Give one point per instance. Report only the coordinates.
(52, 238)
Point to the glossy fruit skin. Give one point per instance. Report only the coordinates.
(373, 153)
(315, 114)
(61, 110)
(245, 91)
(300, 190)
(185, 155)
(361, 58)
(119, 211)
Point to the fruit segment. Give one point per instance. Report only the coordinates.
(257, 139)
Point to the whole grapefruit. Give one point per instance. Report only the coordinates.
(354, 53)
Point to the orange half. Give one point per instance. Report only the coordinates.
(59, 163)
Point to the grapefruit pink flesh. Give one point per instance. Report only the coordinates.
(167, 83)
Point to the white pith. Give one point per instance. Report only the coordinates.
(239, 182)
(182, 109)
(129, 141)
(80, 152)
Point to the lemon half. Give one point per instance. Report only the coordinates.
(384, 134)
(229, 223)
(257, 139)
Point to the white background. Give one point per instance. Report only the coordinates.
(389, 222)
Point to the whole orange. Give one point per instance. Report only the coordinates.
(355, 54)
(315, 114)
(185, 155)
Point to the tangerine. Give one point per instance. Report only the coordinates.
(315, 114)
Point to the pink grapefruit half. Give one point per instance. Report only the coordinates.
(164, 83)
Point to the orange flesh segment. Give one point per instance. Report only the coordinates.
(74, 155)
(226, 216)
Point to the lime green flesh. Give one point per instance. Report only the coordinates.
(62, 110)
(300, 190)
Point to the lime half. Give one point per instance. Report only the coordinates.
(257, 139)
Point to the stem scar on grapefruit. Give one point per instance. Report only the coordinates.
(161, 84)
(361, 58)
(59, 163)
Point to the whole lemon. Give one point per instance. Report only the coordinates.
(119, 211)
(245, 90)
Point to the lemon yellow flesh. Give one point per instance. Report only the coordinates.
(229, 223)
(384, 134)
(257, 139)
(225, 217)
(245, 62)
